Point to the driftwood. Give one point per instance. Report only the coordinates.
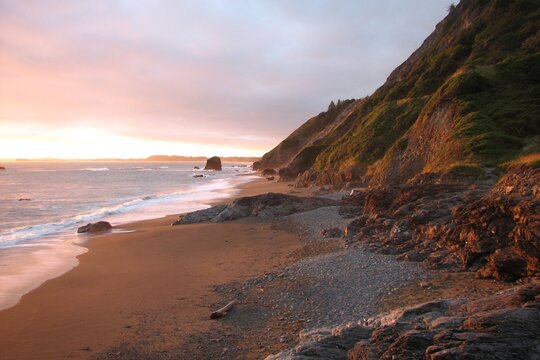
(223, 311)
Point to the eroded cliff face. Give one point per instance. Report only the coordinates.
(426, 146)
(466, 97)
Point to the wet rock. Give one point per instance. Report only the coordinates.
(94, 227)
(270, 178)
(198, 176)
(214, 163)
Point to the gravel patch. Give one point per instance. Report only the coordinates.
(330, 289)
(336, 288)
(310, 224)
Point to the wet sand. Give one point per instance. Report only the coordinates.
(155, 281)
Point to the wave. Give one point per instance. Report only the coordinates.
(20, 236)
(95, 169)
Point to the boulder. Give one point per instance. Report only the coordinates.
(286, 174)
(94, 227)
(270, 178)
(198, 176)
(2, 168)
(268, 171)
(257, 165)
(214, 163)
(196, 167)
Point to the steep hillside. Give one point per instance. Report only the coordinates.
(467, 98)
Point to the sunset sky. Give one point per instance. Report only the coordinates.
(132, 78)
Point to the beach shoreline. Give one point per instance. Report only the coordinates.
(24, 269)
(124, 274)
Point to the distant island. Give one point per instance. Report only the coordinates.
(151, 158)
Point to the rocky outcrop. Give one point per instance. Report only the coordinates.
(501, 326)
(94, 227)
(2, 168)
(268, 171)
(270, 205)
(214, 163)
(455, 224)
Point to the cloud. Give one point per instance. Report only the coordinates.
(236, 73)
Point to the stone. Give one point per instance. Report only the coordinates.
(198, 176)
(94, 227)
(500, 326)
(214, 163)
(332, 233)
(270, 205)
(269, 171)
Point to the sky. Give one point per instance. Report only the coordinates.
(132, 78)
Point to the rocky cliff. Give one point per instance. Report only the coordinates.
(467, 97)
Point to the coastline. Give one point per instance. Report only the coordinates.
(26, 268)
(124, 275)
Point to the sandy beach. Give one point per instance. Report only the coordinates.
(156, 277)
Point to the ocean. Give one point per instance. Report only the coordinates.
(43, 203)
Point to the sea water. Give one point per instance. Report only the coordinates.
(43, 203)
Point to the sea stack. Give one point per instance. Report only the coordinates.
(214, 163)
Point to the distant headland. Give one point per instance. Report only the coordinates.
(150, 158)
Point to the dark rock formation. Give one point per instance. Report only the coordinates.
(268, 171)
(94, 227)
(200, 215)
(285, 174)
(2, 168)
(270, 205)
(24, 199)
(455, 224)
(501, 326)
(214, 163)
(196, 168)
(269, 178)
(198, 176)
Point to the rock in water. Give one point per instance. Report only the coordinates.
(198, 176)
(94, 227)
(2, 168)
(214, 163)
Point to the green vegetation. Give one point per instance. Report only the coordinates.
(373, 134)
(484, 58)
(478, 74)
